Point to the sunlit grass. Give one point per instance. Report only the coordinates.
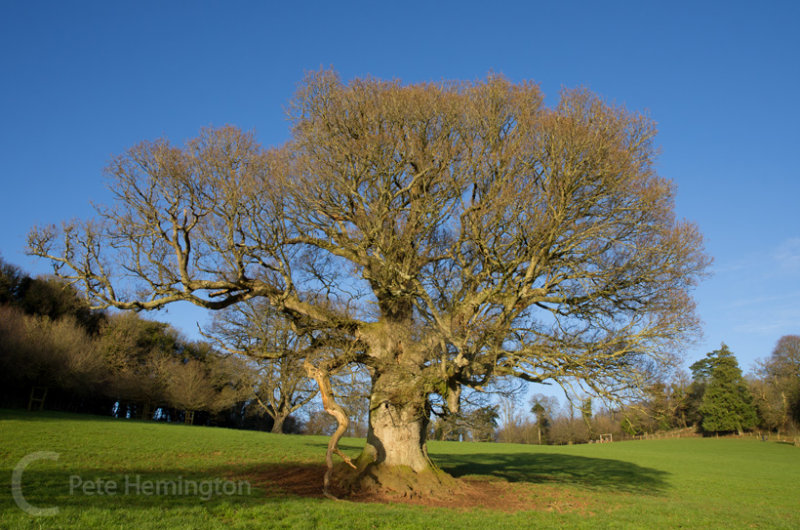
(688, 483)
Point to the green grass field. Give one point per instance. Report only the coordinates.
(688, 483)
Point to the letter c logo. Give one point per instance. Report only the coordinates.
(16, 483)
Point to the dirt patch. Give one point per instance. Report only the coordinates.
(471, 493)
(300, 480)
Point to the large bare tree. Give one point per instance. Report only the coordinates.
(440, 234)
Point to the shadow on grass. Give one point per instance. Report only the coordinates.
(595, 473)
(539, 468)
(224, 487)
(105, 489)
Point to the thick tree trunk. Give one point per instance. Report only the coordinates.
(395, 458)
(277, 424)
(396, 434)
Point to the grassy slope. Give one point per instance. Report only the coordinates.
(660, 483)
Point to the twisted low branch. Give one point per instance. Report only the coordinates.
(322, 377)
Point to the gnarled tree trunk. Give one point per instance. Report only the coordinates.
(395, 458)
(397, 421)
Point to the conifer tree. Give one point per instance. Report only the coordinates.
(727, 403)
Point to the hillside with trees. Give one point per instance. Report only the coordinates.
(58, 353)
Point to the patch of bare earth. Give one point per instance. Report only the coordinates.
(471, 492)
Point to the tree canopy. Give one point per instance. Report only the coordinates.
(440, 234)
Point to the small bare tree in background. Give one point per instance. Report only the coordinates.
(210, 384)
(266, 340)
(776, 386)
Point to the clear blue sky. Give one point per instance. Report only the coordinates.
(81, 81)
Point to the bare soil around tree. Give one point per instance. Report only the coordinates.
(473, 492)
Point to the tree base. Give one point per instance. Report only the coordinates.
(400, 482)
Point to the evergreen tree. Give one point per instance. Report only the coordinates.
(727, 402)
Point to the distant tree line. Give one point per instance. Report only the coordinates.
(57, 353)
(716, 399)
(719, 399)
